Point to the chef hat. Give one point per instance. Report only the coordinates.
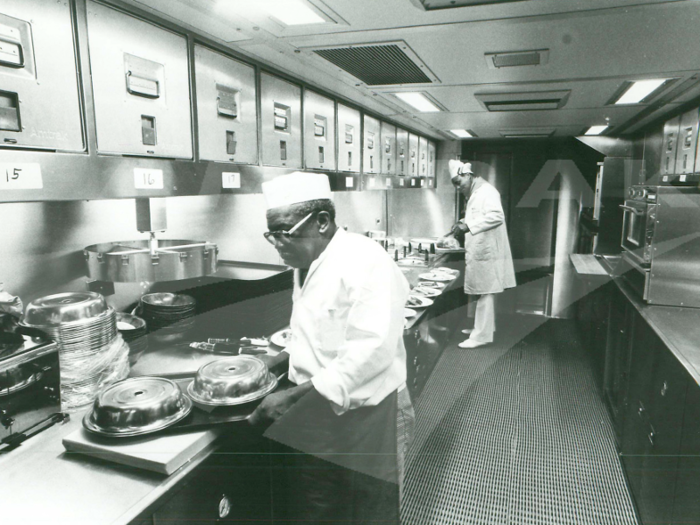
(296, 187)
(457, 168)
(466, 168)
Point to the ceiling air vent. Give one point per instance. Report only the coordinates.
(532, 101)
(526, 133)
(379, 64)
(536, 57)
(430, 5)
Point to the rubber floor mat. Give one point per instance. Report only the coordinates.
(515, 433)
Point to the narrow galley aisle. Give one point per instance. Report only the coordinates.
(515, 433)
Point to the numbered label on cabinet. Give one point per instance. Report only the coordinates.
(148, 179)
(230, 180)
(349, 182)
(24, 176)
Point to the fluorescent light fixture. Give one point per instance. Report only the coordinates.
(595, 130)
(418, 101)
(461, 133)
(640, 90)
(291, 12)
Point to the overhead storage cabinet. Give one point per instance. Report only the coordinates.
(348, 139)
(412, 162)
(670, 144)
(402, 158)
(687, 142)
(227, 115)
(140, 84)
(422, 157)
(388, 145)
(281, 122)
(319, 131)
(431, 159)
(39, 102)
(371, 162)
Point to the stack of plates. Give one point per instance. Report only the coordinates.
(133, 330)
(171, 316)
(90, 352)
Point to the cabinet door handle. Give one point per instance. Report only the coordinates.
(664, 388)
(652, 437)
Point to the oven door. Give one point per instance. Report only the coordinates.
(634, 227)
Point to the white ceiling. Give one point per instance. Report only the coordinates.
(594, 47)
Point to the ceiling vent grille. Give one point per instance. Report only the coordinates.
(526, 133)
(536, 57)
(385, 64)
(533, 101)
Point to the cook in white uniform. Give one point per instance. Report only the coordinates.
(346, 357)
(488, 260)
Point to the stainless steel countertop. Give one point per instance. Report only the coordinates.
(677, 327)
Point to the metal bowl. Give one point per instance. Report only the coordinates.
(168, 300)
(127, 323)
(232, 381)
(136, 406)
(60, 309)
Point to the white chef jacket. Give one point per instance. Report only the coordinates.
(488, 259)
(347, 324)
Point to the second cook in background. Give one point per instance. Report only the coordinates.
(346, 358)
(488, 260)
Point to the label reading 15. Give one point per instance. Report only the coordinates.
(21, 177)
(148, 179)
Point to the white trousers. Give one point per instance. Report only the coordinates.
(484, 319)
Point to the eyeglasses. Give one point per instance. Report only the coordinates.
(284, 235)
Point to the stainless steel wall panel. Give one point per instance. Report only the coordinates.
(675, 266)
(349, 125)
(141, 89)
(422, 157)
(319, 132)
(687, 142)
(227, 115)
(281, 122)
(670, 143)
(39, 101)
(412, 162)
(402, 155)
(371, 158)
(431, 159)
(388, 145)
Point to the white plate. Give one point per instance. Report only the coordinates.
(281, 338)
(421, 300)
(432, 284)
(427, 292)
(439, 277)
(444, 269)
(408, 313)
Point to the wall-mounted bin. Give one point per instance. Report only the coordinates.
(402, 155)
(422, 157)
(39, 102)
(669, 145)
(349, 151)
(281, 122)
(388, 145)
(319, 132)
(141, 88)
(227, 115)
(412, 161)
(372, 157)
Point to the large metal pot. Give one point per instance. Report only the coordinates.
(135, 261)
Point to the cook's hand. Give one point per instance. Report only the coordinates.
(276, 405)
(448, 242)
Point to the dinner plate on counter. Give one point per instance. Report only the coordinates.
(438, 277)
(427, 292)
(281, 338)
(418, 301)
(409, 312)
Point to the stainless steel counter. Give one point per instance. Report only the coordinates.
(678, 328)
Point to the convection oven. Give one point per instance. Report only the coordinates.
(661, 244)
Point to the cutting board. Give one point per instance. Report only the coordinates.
(163, 454)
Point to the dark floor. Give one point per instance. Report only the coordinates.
(515, 433)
